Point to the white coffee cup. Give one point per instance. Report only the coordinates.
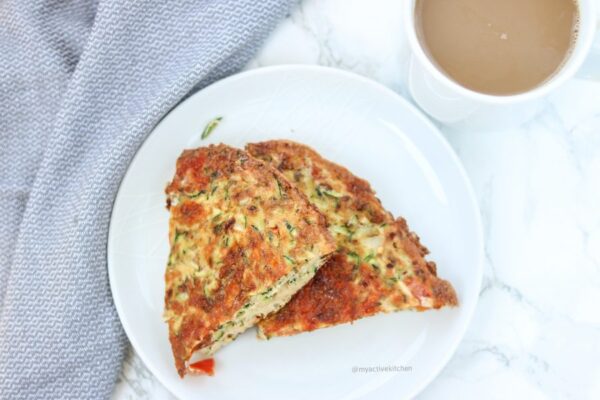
(447, 101)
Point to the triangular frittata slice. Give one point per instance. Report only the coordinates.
(243, 241)
(379, 265)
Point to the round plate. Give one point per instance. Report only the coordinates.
(378, 136)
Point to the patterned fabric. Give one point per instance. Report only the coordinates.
(82, 83)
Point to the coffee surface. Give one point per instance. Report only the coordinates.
(498, 47)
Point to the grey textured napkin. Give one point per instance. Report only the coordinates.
(82, 83)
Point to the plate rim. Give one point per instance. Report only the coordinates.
(384, 90)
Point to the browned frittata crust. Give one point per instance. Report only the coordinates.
(237, 227)
(379, 266)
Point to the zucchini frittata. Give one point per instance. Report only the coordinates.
(379, 265)
(243, 241)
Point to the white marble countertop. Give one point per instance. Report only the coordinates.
(536, 331)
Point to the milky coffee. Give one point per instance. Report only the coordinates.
(498, 47)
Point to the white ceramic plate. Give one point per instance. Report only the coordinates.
(378, 136)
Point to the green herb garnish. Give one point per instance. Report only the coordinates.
(179, 233)
(289, 259)
(197, 194)
(369, 257)
(218, 335)
(267, 291)
(210, 127)
(322, 190)
(354, 256)
(289, 227)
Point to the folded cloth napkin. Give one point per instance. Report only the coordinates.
(82, 83)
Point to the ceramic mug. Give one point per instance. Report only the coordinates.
(449, 102)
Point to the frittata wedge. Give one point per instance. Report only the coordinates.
(243, 241)
(379, 266)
